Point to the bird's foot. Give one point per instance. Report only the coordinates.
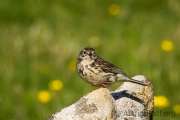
(102, 84)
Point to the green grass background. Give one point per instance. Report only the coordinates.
(50, 33)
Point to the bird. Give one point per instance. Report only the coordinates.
(99, 72)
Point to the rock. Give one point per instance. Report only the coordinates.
(129, 102)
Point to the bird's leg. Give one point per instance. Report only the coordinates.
(102, 84)
(106, 83)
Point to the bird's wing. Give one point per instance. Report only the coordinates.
(108, 67)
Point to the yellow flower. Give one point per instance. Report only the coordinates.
(56, 85)
(114, 9)
(94, 41)
(167, 45)
(45, 69)
(176, 108)
(72, 65)
(44, 96)
(160, 101)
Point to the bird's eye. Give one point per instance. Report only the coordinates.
(94, 56)
(84, 52)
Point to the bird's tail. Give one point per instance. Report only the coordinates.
(122, 78)
(136, 81)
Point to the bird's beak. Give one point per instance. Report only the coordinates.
(90, 54)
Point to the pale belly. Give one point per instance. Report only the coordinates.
(92, 75)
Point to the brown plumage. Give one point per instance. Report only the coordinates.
(99, 72)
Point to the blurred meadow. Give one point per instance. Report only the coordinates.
(40, 41)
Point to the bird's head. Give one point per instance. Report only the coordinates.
(88, 54)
